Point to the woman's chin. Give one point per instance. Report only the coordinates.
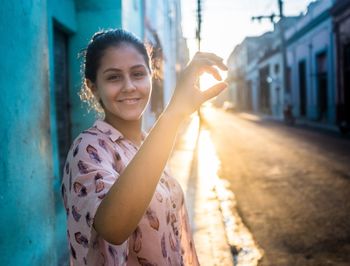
(131, 117)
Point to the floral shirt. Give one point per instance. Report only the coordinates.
(163, 237)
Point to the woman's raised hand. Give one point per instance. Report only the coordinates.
(187, 96)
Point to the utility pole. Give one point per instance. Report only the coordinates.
(283, 47)
(198, 36)
(199, 23)
(281, 30)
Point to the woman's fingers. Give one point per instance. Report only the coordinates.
(187, 97)
(218, 61)
(213, 91)
(206, 65)
(213, 71)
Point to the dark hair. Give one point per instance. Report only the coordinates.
(92, 55)
(104, 39)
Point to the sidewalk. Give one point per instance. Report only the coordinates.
(303, 122)
(202, 204)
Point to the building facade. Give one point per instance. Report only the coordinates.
(244, 78)
(170, 53)
(310, 52)
(311, 85)
(341, 26)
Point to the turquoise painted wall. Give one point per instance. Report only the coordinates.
(61, 15)
(92, 15)
(26, 195)
(33, 225)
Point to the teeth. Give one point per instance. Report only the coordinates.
(130, 101)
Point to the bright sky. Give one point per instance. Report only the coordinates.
(227, 22)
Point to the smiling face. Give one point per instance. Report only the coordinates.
(123, 83)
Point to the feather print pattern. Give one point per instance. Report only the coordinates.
(137, 238)
(93, 154)
(70, 181)
(159, 196)
(163, 246)
(76, 150)
(83, 169)
(89, 132)
(112, 251)
(95, 161)
(67, 168)
(79, 189)
(152, 219)
(145, 262)
(99, 184)
(88, 219)
(102, 144)
(81, 239)
(76, 214)
(173, 243)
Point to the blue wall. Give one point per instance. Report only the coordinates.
(92, 15)
(33, 223)
(26, 199)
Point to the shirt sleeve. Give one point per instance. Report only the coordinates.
(91, 169)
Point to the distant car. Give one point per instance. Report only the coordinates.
(228, 106)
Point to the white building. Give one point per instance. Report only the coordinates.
(243, 72)
(310, 53)
(271, 90)
(163, 30)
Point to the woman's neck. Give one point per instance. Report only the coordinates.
(131, 130)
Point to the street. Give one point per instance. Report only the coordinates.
(292, 186)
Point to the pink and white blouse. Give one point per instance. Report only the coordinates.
(163, 237)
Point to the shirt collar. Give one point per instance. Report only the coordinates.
(112, 132)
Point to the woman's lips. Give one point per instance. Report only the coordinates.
(129, 100)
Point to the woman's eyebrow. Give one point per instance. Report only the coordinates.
(137, 66)
(117, 69)
(111, 69)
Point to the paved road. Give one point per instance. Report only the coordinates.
(292, 186)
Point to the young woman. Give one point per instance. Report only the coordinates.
(123, 208)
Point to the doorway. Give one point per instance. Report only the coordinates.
(322, 85)
(302, 87)
(346, 76)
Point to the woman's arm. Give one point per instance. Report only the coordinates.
(127, 200)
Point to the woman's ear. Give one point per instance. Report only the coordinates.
(92, 86)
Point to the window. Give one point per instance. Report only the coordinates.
(277, 68)
(63, 106)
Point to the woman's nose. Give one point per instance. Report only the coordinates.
(128, 85)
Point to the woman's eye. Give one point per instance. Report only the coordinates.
(139, 74)
(114, 77)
